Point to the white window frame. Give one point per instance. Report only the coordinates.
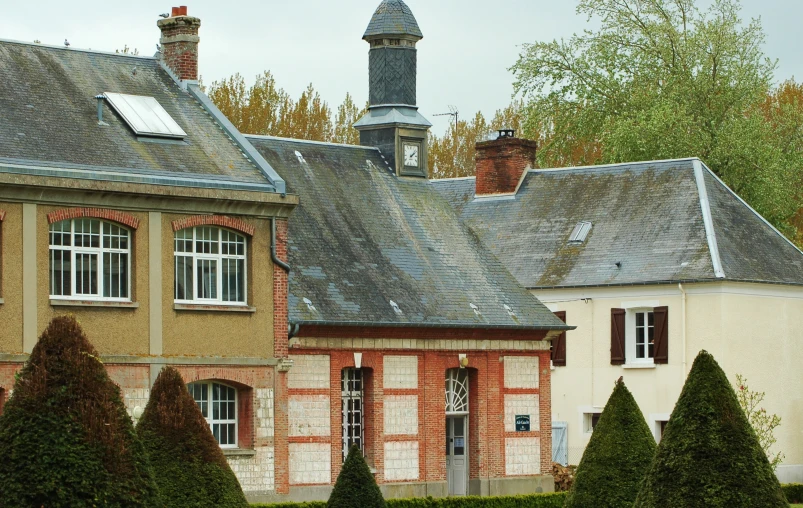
(209, 416)
(217, 258)
(657, 419)
(631, 309)
(588, 421)
(98, 252)
(631, 332)
(348, 394)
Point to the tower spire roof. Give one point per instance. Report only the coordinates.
(393, 17)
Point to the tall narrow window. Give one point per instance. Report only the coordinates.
(210, 266)
(645, 335)
(218, 404)
(353, 409)
(456, 391)
(89, 259)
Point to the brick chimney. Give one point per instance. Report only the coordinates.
(180, 43)
(501, 162)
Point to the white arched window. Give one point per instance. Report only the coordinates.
(210, 266)
(90, 259)
(218, 404)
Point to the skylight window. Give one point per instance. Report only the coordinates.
(580, 232)
(145, 116)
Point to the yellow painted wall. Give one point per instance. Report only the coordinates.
(112, 331)
(11, 279)
(209, 333)
(751, 329)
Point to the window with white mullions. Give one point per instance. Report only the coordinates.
(456, 391)
(645, 335)
(89, 259)
(210, 266)
(218, 405)
(352, 409)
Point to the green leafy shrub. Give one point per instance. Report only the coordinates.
(188, 464)
(65, 437)
(355, 485)
(617, 456)
(549, 500)
(793, 492)
(709, 454)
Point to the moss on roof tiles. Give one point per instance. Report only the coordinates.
(50, 115)
(362, 237)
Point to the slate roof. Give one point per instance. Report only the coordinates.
(48, 119)
(362, 237)
(393, 17)
(648, 216)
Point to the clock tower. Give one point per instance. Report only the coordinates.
(393, 123)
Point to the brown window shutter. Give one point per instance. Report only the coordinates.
(661, 353)
(617, 336)
(559, 344)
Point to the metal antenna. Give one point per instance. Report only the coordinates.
(453, 112)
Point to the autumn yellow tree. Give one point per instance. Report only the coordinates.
(265, 108)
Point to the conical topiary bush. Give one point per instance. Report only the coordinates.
(188, 464)
(617, 456)
(65, 437)
(709, 455)
(355, 486)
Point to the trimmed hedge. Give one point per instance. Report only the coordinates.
(548, 500)
(355, 485)
(616, 458)
(793, 492)
(709, 454)
(65, 437)
(189, 466)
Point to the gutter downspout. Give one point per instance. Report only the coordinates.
(683, 326)
(273, 257)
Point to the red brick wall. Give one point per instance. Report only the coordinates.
(180, 45)
(217, 220)
(100, 213)
(500, 164)
(486, 410)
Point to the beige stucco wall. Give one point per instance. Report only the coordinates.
(11, 279)
(754, 330)
(210, 333)
(113, 331)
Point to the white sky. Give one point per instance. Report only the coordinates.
(463, 60)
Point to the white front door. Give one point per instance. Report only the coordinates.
(457, 455)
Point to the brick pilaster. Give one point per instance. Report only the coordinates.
(281, 450)
(280, 311)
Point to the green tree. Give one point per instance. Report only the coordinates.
(709, 455)
(65, 437)
(355, 485)
(658, 79)
(187, 461)
(763, 423)
(617, 456)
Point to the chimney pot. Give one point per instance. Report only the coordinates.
(182, 11)
(174, 12)
(500, 163)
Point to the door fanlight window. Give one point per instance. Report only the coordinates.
(456, 391)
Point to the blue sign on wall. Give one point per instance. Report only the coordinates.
(522, 423)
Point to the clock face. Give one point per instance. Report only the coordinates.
(411, 155)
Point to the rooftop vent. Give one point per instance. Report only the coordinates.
(506, 133)
(145, 116)
(580, 232)
(300, 157)
(475, 308)
(509, 311)
(309, 304)
(396, 308)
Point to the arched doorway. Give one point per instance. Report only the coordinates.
(457, 431)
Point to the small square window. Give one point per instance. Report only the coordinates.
(590, 421)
